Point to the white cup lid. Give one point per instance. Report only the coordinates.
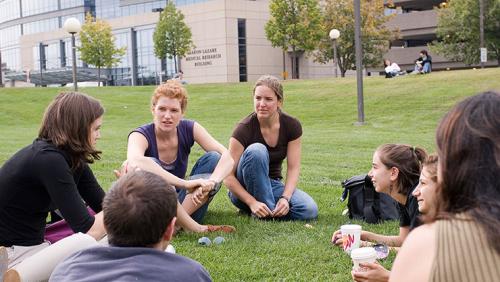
(363, 253)
(350, 227)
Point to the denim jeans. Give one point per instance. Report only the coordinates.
(203, 168)
(426, 68)
(253, 174)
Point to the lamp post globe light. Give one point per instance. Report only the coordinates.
(334, 35)
(72, 26)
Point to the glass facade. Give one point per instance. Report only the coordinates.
(33, 7)
(70, 3)
(11, 57)
(188, 2)
(108, 9)
(149, 68)
(41, 26)
(242, 49)
(9, 10)
(120, 74)
(10, 35)
(140, 57)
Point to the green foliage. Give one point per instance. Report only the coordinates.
(172, 36)
(295, 25)
(98, 44)
(333, 149)
(339, 14)
(458, 31)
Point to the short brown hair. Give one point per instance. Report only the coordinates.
(272, 83)
(468, 144)
(171, 89)
(407, 159)
(66, 123)
(138, 208)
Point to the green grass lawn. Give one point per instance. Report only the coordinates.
(401, 110)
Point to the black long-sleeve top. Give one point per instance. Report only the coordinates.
(36, 180)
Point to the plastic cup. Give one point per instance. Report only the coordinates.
(362, 255)
(351, 234)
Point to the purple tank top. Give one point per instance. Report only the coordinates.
(186, 141)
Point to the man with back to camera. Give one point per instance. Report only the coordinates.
(139, 216)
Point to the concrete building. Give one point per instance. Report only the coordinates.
(229, 36)
(417, 22)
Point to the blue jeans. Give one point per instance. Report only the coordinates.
(253, 174)
(426, 68)
(203, 168)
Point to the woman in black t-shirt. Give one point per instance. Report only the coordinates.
(395, 171)
(259, 144)
(53, 173)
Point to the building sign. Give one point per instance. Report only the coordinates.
(203, 57)
(484, 57)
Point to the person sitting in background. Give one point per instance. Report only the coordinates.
(425, 192)
(423, 64)
(180, 77)
(463, 242)
(139, 216)
(391, 69)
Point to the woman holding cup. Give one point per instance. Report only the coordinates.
(395, 171)
(425, 192)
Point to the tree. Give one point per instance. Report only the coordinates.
(295, 25)
(458, 30)
(172, 36)
(339, 14)
(98, 45)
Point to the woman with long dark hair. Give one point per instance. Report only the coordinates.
(463, 242)
(53, 173)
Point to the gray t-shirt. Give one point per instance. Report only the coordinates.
(128, 264)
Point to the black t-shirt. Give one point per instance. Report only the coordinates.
(247, 132)
(408, 213)
(36, 180)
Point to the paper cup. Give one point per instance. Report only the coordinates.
(362, 255)
(351, 234)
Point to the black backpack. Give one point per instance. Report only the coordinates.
(365, 203)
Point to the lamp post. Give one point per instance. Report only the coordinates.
(481, 32)
(334, 35)
(72, 26)
(359, 61)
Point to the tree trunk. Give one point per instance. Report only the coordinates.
(294, 64)
(98, 76)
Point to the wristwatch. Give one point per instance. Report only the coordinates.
(286, 198)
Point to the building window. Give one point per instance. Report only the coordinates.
(9, 10)
(242, 49)
(10, 36)
(33, 7)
